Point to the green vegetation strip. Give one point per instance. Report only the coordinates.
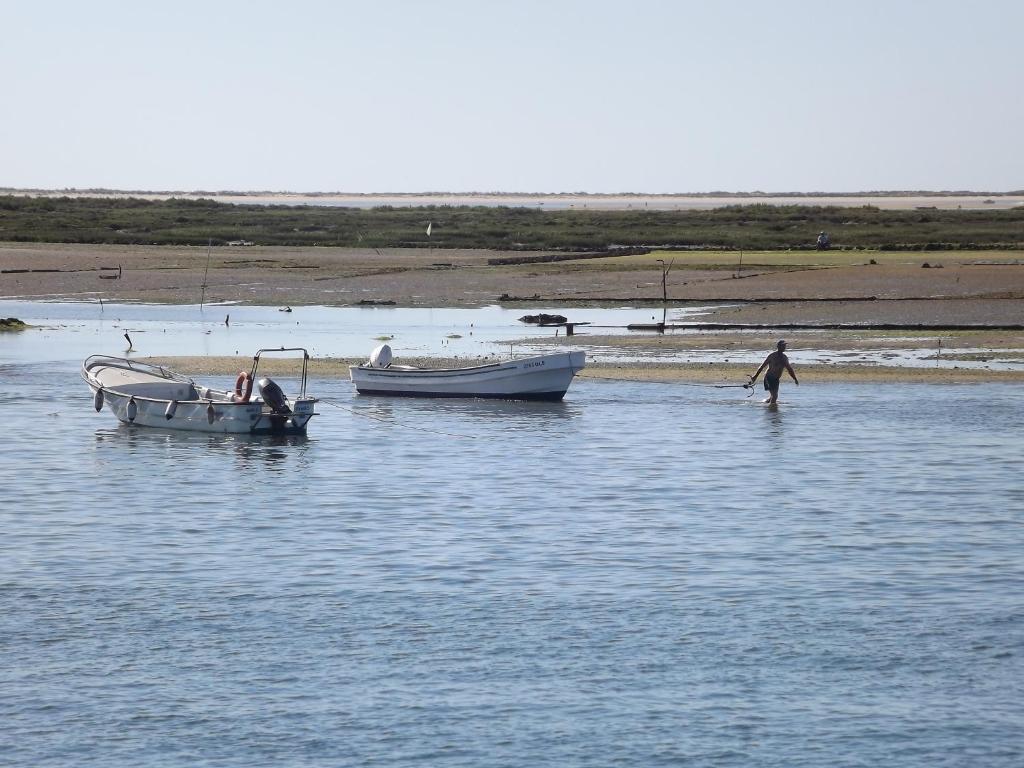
(758, 227)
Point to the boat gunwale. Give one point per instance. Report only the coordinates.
(408, 369)
(136, 366)
(397, 370)
(199, 401)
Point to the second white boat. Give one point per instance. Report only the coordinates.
(541, 377)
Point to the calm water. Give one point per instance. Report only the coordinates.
(71, 330)
(643, 575)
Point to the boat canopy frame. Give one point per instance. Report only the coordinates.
(305, 364)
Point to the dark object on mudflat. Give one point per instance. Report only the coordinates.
(375, 303)
(543, 319)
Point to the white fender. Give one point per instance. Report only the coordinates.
(132, 410)
(97, 400)
(171, 408)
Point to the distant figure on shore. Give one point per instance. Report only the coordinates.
(776, 363)
(824, 241)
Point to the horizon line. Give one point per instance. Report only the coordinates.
(435, 193)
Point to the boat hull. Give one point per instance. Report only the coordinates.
(544, 377)
(149, 396)
(209, 416)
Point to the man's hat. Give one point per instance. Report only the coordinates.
(781, 344)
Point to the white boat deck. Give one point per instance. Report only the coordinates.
(142, 383)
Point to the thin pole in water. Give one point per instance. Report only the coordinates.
(665, 269)
(202, 299)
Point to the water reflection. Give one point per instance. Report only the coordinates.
(171, 567)
(462, 414)
(773, 418)
(274, 453)
(269, 452)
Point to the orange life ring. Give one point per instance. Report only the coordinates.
(244, 379)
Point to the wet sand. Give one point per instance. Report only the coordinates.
(732, 374)
(968, 287)
(773, 290)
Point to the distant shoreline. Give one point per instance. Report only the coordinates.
(890, 200)
(437, 193)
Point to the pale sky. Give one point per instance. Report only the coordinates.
(522, 96)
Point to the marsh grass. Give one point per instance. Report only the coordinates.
(754, 228)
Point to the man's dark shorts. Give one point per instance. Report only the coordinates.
(771, 383)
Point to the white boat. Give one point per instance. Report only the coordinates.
(542, 377)
(154, 396)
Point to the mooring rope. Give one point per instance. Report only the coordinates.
(749, 385)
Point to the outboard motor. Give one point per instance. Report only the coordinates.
(380, 357)
(273, 396)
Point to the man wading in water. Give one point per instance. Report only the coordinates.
(776, 363)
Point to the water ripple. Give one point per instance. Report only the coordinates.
(638, 576)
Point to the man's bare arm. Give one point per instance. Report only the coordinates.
(758, 371)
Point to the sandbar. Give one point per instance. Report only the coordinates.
(959, 303)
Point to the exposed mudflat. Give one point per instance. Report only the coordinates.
(705, 373)
(771, 293)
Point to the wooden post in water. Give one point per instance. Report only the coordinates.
(665, 269)
(202, 298)
(664, 278)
